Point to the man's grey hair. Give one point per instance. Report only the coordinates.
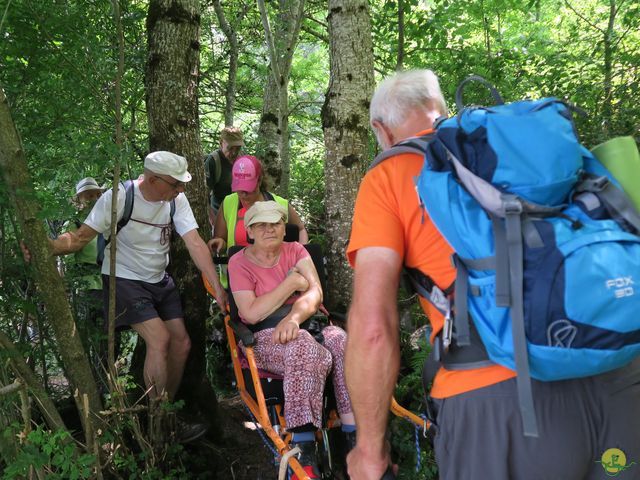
(403, 92)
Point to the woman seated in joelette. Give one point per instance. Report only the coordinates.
(264, 276)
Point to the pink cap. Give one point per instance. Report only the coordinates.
(245, 174)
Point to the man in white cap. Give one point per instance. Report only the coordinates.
(147, 300)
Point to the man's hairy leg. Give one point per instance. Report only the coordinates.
(179, 347)
(156, 337)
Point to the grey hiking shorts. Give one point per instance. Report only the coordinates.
(589, 429)
(138, 301)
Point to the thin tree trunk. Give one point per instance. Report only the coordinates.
(172, 105)
(116, 185)
(400, 57)
(487, 31)
(268, 141)
(609, 37)
(345, 121)
(232, 38)
(610, 41)
(273, 132)
(22, 370)
(16, 177)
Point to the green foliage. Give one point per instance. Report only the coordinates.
(536, 48)
(58, 63)
(57, 66)
(132, 466)
(307, 84)
(307, 87)
(409, 393)
(51, 453)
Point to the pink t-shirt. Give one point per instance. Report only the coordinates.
(246, 275)
(240, 234)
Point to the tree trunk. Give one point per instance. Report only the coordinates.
(119, 138)
(172, 105)
(400, 57)
(232, 38)
(268, 141)
(16, 177)
(345, 121)
(608, 40)
(273, 132)
(45, 405)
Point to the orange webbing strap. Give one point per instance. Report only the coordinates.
(400, 411)
(208, 286)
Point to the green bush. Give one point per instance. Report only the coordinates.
(53, 453)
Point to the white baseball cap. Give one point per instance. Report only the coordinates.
(167, 163)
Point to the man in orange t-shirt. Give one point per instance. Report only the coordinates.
(479, 429)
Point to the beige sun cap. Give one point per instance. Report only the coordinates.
(267, 212)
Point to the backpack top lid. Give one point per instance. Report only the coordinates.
(528, 148)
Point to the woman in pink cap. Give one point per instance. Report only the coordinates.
(247, 181)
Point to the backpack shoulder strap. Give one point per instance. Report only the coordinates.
(101, 244)
(417, 145)
(217, 164)
(172, 210)
(128, 205)
(213, 172)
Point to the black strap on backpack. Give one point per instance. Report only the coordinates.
(214, 173)
(417, 145)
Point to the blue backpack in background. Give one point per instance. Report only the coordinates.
(546, 245)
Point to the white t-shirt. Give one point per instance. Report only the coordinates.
(140, 253)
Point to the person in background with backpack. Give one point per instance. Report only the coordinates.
(248, 187)
(147, 299)
(217, 168)
(87, 194)
(83, 270)
(585, 424)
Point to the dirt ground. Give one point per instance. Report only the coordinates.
(244, 453)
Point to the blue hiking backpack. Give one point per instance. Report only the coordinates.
(546, 245)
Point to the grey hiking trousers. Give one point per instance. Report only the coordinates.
(589, 429)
